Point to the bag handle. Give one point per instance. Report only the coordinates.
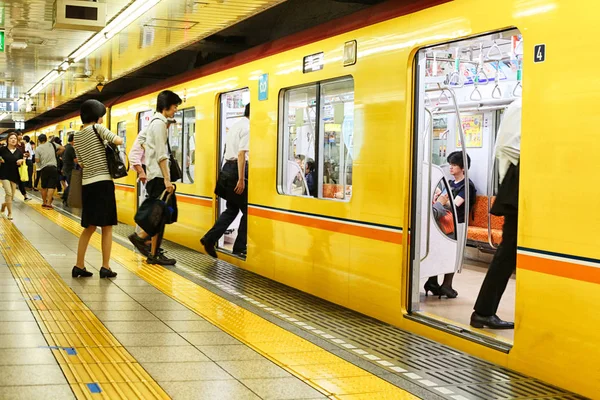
(162, 196)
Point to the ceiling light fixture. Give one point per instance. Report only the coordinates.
(116, 25)
(120, 22)
(3, 115)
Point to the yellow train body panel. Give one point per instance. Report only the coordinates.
(557, 335)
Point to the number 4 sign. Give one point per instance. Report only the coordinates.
(539, 53)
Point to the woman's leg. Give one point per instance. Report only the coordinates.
(7, 193)
(448, 280)
(9, 198)
(84, 240)
(106, 245)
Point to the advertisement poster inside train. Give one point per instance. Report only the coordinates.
(472, 127)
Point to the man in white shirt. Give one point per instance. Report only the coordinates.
(508, 151)
(156, 154)
(29, 161)
(231, 186)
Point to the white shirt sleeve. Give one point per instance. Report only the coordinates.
(508, 143)
(244, 138)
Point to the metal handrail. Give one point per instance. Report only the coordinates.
(429, 158)
(460, 254)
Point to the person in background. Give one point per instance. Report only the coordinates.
(69, 160)
(157, 156)
(29, 160)
(457, 169)
(508, 153)
(237, 145)
(46, 158)
(62, 181)
(22, 148)
(11, 159)
(99, 205)
(311, 178)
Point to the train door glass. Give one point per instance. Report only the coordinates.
(232, 110)
(462, 89)
(122, 132)
(143, 122)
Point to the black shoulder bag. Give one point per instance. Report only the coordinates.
(174, 168)
(116, 166)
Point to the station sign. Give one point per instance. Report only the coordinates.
(263, 87)
(314, 62)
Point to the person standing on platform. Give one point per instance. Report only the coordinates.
(22, 146)
(99, 205)
(10, 160)
(29, 160)
(69, 160)
(508, 152)
(232, 181)
(46, 158)
(158, 177)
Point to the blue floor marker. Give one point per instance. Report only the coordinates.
(37, 297)
(94, 388)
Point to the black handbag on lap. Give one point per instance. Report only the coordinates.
(116, 166)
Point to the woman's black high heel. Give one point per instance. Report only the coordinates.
(107, 273)
(77, 272)
(434, 288)
(448, 292)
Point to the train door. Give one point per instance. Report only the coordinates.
(232, 105)
(143, 122)
(462, 90)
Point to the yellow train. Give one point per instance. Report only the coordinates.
(370, 100)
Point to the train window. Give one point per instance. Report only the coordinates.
(316, 136)
(122, 132)
(182, 141)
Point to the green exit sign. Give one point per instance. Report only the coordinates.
(2, 41)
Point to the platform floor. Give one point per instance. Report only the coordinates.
(202, 330)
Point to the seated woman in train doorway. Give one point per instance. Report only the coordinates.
(457, 185)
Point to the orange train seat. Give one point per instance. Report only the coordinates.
(478, 224)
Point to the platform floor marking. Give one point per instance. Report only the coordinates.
(275, 343)
(96, 365)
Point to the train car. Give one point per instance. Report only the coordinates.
(375, 105)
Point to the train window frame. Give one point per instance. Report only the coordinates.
(122, 128)
(319, 132)
(181, 113)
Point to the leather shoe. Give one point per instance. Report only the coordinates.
(493, 322)
(209, 248)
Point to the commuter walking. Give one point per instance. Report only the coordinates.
(508, 153)
(232, 186)
(46, 158)
(99, 205)
(11, 159)
(158, 176)
(69, 160)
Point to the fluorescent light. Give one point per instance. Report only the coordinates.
(3, 115)
(120, 22)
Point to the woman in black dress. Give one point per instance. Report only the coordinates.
(99, 206)
(12, 158)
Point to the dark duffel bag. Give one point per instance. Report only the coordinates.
(154, 213)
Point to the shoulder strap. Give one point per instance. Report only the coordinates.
(98, 135)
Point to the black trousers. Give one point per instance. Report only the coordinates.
(235, 204)
(500, 270)
(65, 195)
(30, 172)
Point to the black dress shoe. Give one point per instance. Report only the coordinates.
(77, 272)
(107, 273)
(434, 288)
(161, 259)
(139, 244)
(493, 322)
(448, 292)
(209, 248)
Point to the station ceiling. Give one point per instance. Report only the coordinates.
(172, 37)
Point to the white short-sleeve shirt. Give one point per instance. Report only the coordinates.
(238, 139)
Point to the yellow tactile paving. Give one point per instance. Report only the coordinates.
(85, 350)
(324, 371)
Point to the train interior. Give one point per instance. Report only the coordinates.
(232, 109)
(472, 81)
(317, 129)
